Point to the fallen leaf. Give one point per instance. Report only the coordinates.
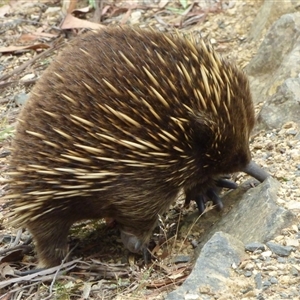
(5, 270)
(15, 255)
(20, 48)
(34, 36)
(4, 10)
(72, 22)
(82, 10)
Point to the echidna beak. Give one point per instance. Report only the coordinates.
(256, 171)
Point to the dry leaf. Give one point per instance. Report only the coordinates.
(5, 270)
(20, 48)
(72, 22)
(4, 10)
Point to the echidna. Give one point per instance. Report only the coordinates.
(119, 123)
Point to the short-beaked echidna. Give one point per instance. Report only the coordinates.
(119, 123)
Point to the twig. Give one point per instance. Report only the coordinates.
(59, 268)
(40, 276)
(26, 64)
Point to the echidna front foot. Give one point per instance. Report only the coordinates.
(212, 193)
(209, 194)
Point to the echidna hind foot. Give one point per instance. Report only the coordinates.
(50, 241)
(132, 242)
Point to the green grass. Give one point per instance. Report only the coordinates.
(6, 130)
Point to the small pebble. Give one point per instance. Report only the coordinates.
(294, 271)
(247, 290)
(260, 297)
(258, 281)
(273, 280)
(281, 260)
(27, 77)
(266, 254)
(292, 243)
(291, 132)
(20, 99)
(249, 266)
(251, 247)
(181, 259)
(279, 249)
(248, 274)
(266, 284)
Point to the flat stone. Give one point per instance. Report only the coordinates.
(258, 281)
(251, 247)
(212, 268)
(279, 249)
(256, 217)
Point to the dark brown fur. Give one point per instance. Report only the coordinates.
(65, 169)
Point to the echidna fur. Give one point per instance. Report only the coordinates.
(120, 122)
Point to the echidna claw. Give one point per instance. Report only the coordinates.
(200, 201)
(211, 194)
(215, 198)
(224, 183)
(146, 255)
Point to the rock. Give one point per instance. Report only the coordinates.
(248, 274)
(281, 260)
(282, 107)
(292, 242)
(255, 246)
(212, 268)
(269, 12)
(273, 280)
(279, 249)
(276, 46)
(258, 281)
(278, 55)
(20, 99)
(256, 217)
(294, 271)
(266, 284)
(181, 259)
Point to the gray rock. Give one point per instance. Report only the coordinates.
(294, 271)
(258, 281)
(212, 268)
(266, 284)
(248, 274)
(20, 99)
(277, 58)
(256, 217)
(273, 280)
(281, 260)
(282, 107)
(269, 12)
(181, 259)
(279, 249)
(251, 247)
(269, 58)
